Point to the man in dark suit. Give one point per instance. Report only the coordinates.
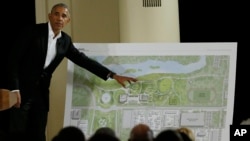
(34, 57)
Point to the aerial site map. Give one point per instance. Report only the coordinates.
(179, 84)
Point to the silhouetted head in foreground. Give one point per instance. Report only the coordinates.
(141, 132)
(105, 130)
(187, 133)
(169, 135)
(70, 133)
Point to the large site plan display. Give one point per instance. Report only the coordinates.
(180, 84)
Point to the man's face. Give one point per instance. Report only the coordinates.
(59, 17)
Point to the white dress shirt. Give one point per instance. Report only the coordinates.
(51, 51)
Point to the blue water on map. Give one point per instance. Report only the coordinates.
(154, 66)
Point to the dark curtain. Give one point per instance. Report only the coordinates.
(14, 15)
(221, 21)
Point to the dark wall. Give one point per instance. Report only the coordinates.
(14, 15)
(220, 21)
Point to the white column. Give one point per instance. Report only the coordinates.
(140, 21)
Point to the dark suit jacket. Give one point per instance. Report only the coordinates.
(27, 59)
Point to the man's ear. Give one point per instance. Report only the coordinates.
(68, 20)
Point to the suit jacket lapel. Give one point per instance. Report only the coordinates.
(59, 55)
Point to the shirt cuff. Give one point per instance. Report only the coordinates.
(111, 75)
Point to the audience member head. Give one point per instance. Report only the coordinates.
(185, 137)
(188, 132)
(141, 132)
(105, 130)
(103, 137)
(104, 134)
(169, 135)
(245, 122)
(70, 133)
